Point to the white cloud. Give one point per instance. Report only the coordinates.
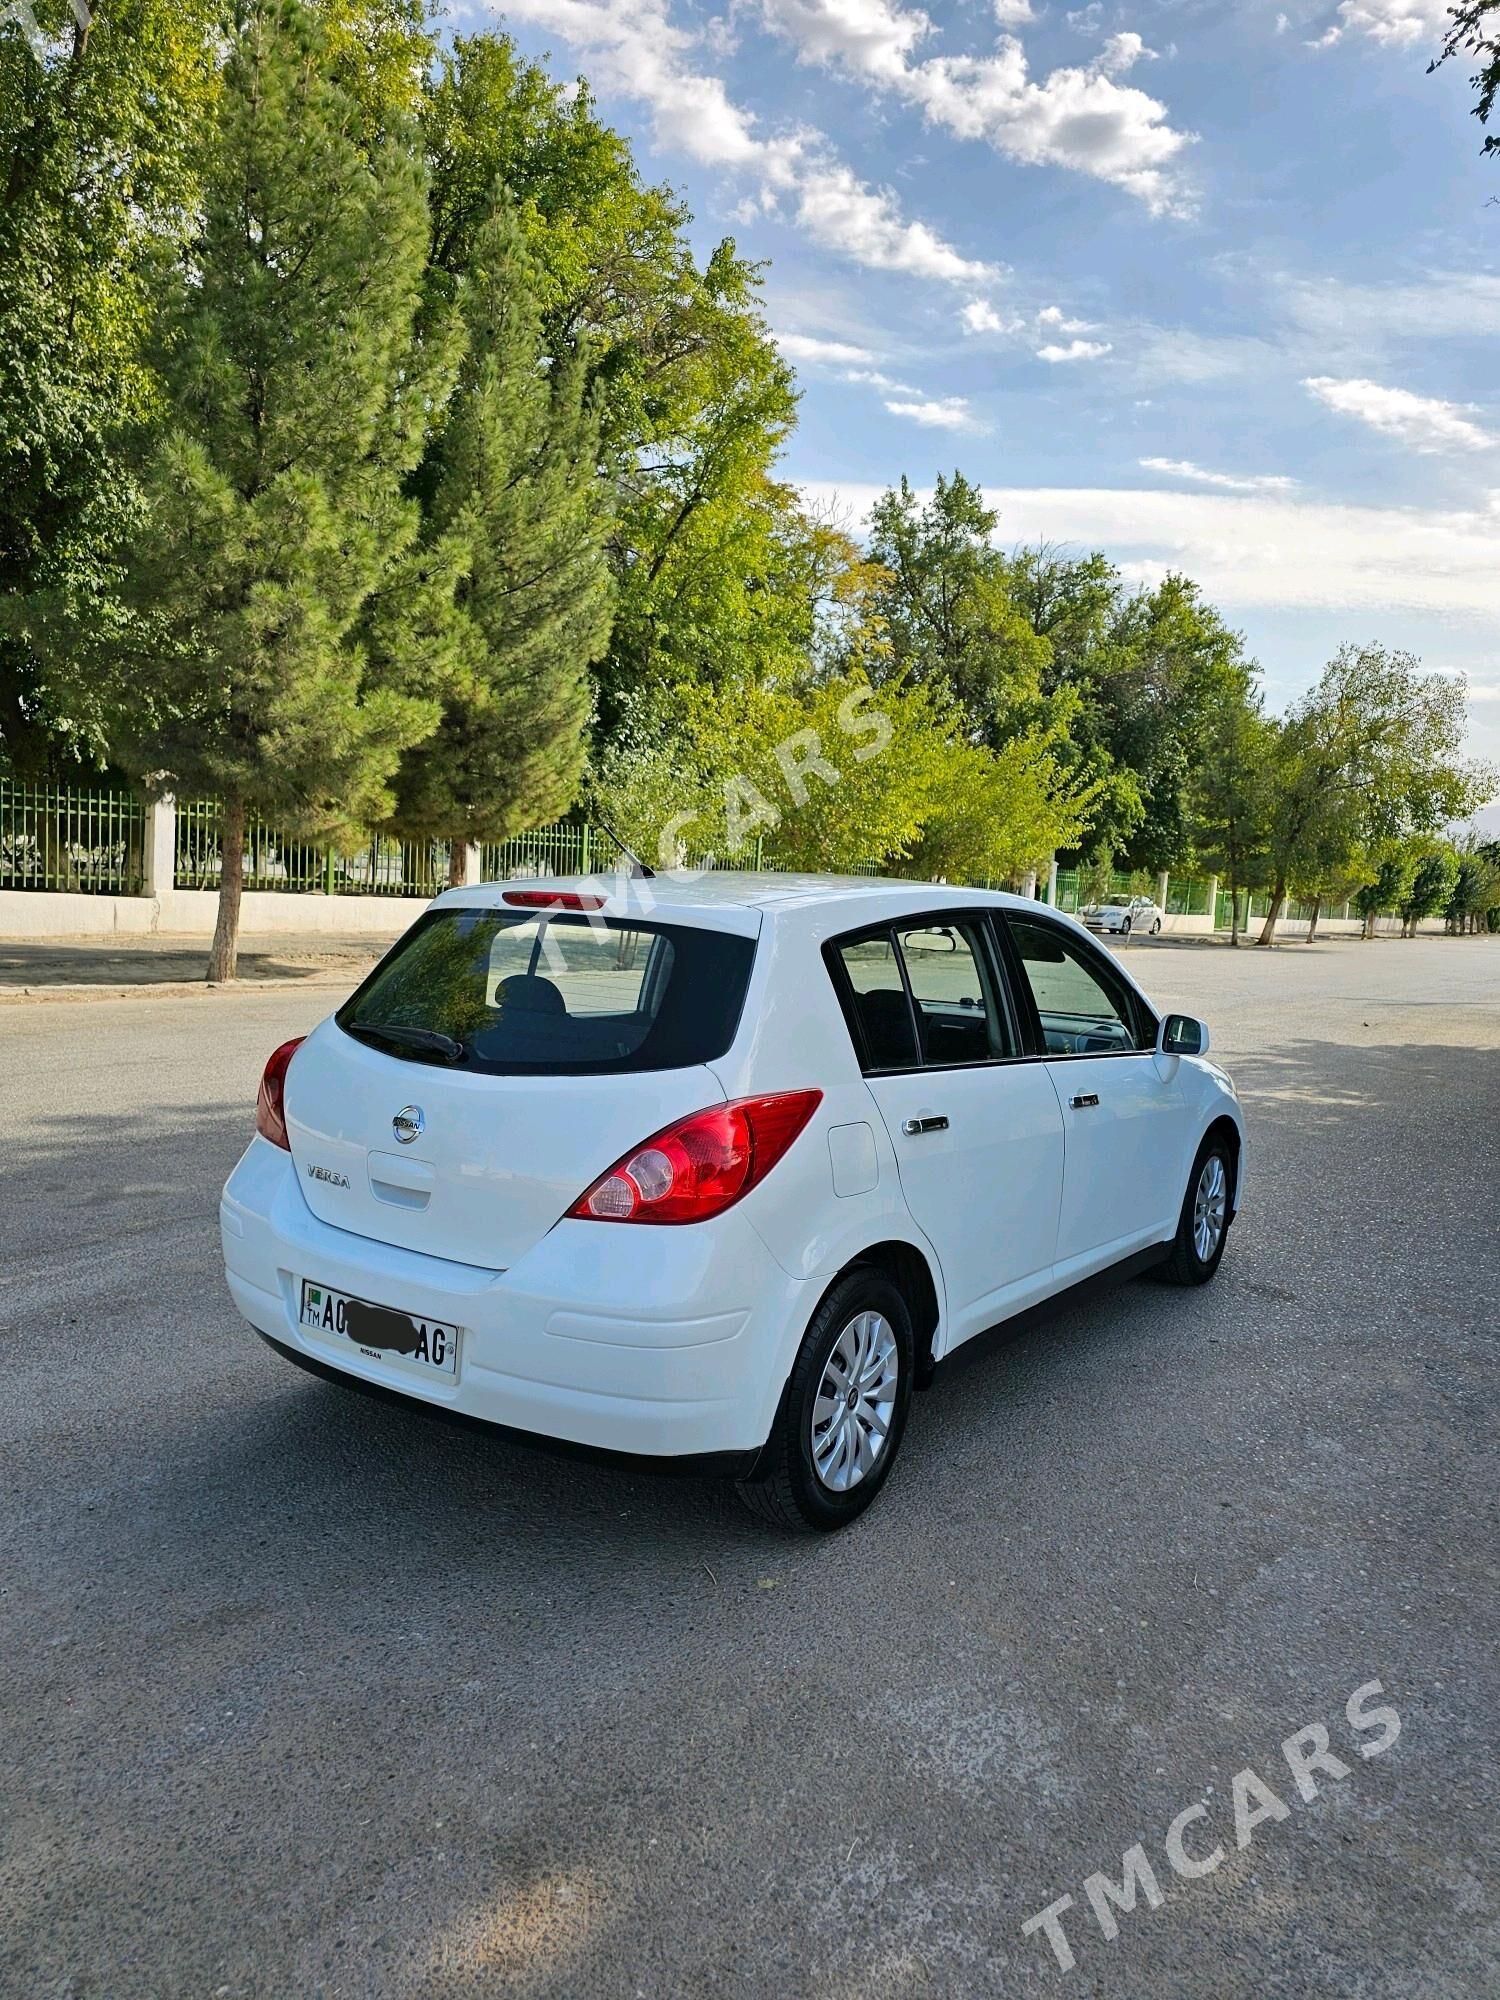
(843, 213)
(878, 380)
(1121, 53)
(1053, 317)
(871, 37)
(948, 413)
(1262, 552)
(1076, 350)
(808, 347)
(1439, 305)
(1078, 118)
(1178, 354)
(1081, 118)
(635, 46)
(1426, 423)
(1012, 13)
(1227, 482)
(1398, 24)
(979, 316)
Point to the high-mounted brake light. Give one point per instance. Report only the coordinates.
(270, 1104)
(701, 1165)
(552, 899)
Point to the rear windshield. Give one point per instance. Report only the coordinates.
(528, 993)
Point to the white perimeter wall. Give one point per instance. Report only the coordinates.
(34, 913)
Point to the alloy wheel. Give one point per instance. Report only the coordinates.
(851, 1413)
(1210, 1206)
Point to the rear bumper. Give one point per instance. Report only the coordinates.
(702, 1465)
(662, 1343)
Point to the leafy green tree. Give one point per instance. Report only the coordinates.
(1328, 882)
(706, 543)
(1231, 802)
(832, 774)
(299, 386)
(99, 129)
(694, 401)
(945, 599)
(995, 815)
(1434, 876)
(1171, 662)
(1071, 602)
(1386, 888)
(103, 126)
(1150, 670)
(1371, 754)
(1476, 889)
(1474, 33)
(517, 517)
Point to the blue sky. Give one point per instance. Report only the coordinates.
(1205, 285)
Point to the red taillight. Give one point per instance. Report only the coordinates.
(552, 899)
(270, 1111)
(702, 1164)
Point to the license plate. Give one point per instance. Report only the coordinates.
(430, 1346)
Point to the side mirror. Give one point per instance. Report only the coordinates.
(1182, 1035)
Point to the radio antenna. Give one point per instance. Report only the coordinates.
(637, 866)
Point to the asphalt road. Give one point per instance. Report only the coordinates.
(307, 1696)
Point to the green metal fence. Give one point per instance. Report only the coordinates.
(58, 837)
(55, 837)
(558, 849)
(1187, 898)
(389, 867)
(278, 860)
(273, 860)
(1074, 888)
(564, 849)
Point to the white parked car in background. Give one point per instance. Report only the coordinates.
(1118, 916)
(718, 1172)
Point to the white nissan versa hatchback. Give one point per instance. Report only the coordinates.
(717, 1171)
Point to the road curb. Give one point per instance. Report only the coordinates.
(162, 989)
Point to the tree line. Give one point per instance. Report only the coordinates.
(376, 454)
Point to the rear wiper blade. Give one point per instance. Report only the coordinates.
(428, 1039)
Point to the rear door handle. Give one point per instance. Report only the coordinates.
(912, 1126)
(1082, 1102)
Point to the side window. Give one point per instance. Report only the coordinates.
(1083, 1009)
(880, 1005)
(921, 997)
(956, 1014)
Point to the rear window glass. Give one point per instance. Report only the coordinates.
(559, 993)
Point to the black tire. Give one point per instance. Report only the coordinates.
(1156, 928)
(787, 1488)
(1185, 1266)
(1125, 928)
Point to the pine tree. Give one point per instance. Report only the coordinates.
(301, 374)
(98, 131)
(518, 512)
